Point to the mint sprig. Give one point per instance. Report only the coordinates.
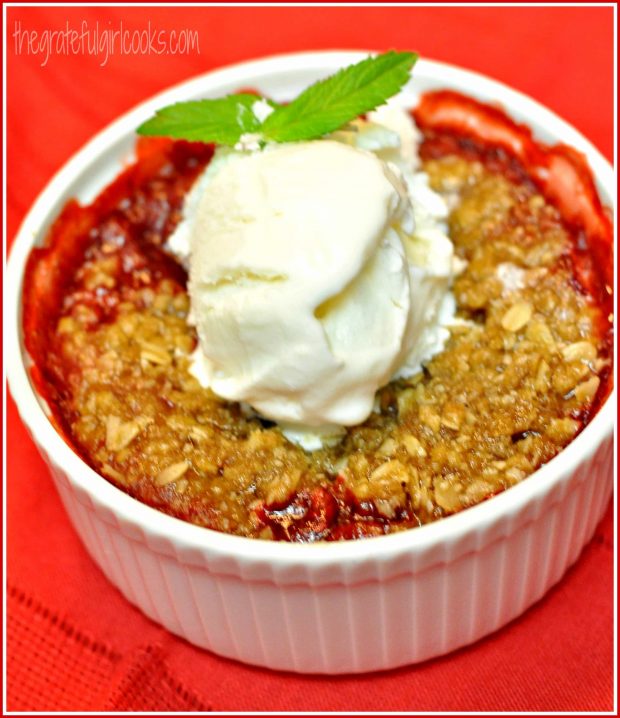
(222, 121)
(331, 103)
(323, 107)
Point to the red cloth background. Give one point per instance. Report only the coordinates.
(73, 641)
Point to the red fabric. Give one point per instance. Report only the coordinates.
(73, 641)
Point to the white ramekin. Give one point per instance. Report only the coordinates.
(325, 608)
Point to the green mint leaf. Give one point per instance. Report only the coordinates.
(323, 107)
(331, 103)
(221, 121)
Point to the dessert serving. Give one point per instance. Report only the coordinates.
(333, 319)
(494, 355)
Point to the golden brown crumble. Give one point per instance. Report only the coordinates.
(506, 394)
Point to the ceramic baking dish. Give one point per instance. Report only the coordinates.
(338, 607)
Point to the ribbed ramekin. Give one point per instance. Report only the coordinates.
(324, 608)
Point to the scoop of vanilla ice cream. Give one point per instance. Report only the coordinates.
(318, 272)
(299, 283)
(391, 135)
